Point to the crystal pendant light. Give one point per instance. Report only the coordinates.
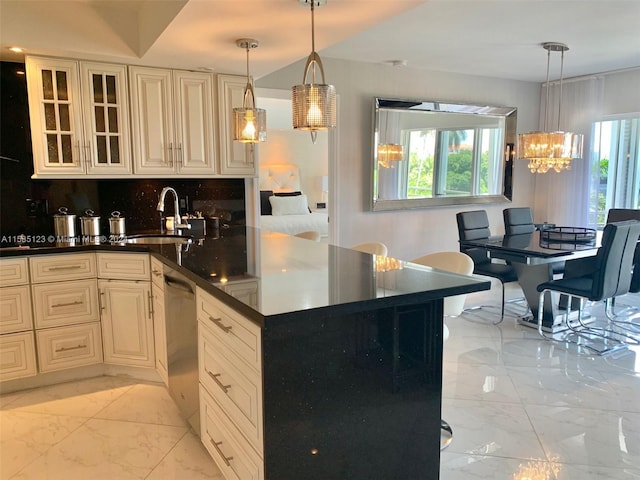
(550, 150)
(314, 104)
(249, 122)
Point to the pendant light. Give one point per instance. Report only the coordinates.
(314, 104)
(550, 150)
(249, 122)
(389, 153)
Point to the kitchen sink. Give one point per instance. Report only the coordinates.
(156, 239)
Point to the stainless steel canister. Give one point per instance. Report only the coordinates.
(116, 226)
(90, 226)
(64, 226)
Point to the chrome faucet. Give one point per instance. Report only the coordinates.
(177, 221)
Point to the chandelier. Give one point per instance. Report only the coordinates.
(550, 150)
(249, 122)
(313, 104)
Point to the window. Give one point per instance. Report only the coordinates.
(615, 169)
(452, 162)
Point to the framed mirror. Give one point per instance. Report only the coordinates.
(429, 153)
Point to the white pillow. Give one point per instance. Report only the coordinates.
(296, 205)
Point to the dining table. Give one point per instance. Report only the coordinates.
(533, 256)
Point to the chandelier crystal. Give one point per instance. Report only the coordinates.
(550, 150)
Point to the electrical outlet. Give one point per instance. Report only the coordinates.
(321, 205)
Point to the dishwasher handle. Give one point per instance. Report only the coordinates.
(178, 284)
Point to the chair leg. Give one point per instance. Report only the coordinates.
(582, 330)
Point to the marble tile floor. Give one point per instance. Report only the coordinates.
(522, 408)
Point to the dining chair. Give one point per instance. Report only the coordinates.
(619, 215)
(455, 262)
(474, 225)
(313, 235)
(601, 277)
(519, 220)
(374, 248)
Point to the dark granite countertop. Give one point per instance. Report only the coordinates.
(292, 276)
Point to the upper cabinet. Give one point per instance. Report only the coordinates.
(99, 120)
(79, 115)
(236, 158)
(173, 122)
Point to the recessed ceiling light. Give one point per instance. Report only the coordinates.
(397, 63)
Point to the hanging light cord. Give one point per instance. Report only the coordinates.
(560, 101)
(546, 105)
(248, 91)
(313, 39)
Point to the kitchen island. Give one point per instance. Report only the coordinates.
(351, 350)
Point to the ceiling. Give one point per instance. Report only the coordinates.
(494, 38)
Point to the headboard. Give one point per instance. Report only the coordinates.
(280, 178)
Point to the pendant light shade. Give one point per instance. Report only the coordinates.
(389, 153)
(249, 122)
(313, 104)
(550, 150)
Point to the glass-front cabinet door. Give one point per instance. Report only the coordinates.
(106, 115)
(55, 115)
(79, 117)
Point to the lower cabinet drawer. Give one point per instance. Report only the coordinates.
(242, 335)
(67, 347)
(234, 385)
(15, 309)
(231, 452)
(58, 304)
(17, 356)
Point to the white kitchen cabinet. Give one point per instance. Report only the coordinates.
(15, 298)
(123, 266)
(67, 347)
(247, 291)
(79, 114)
(231, 452)
(65, 303)
(127, 324)
(17, 356)
(17, 346)
(61, 267)
(173, 122)
(14, 271)
(231, 397)
(15, 309)
(124, 290)
(236, 158)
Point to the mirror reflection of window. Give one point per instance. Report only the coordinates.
(452, 154)
(458, 162)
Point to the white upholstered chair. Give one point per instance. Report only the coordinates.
(309, 235)
(455, 262)
(374, 248)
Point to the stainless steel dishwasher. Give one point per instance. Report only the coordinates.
(182, 344)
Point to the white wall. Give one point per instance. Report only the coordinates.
(409, 233)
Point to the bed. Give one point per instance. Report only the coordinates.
(283, 205)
